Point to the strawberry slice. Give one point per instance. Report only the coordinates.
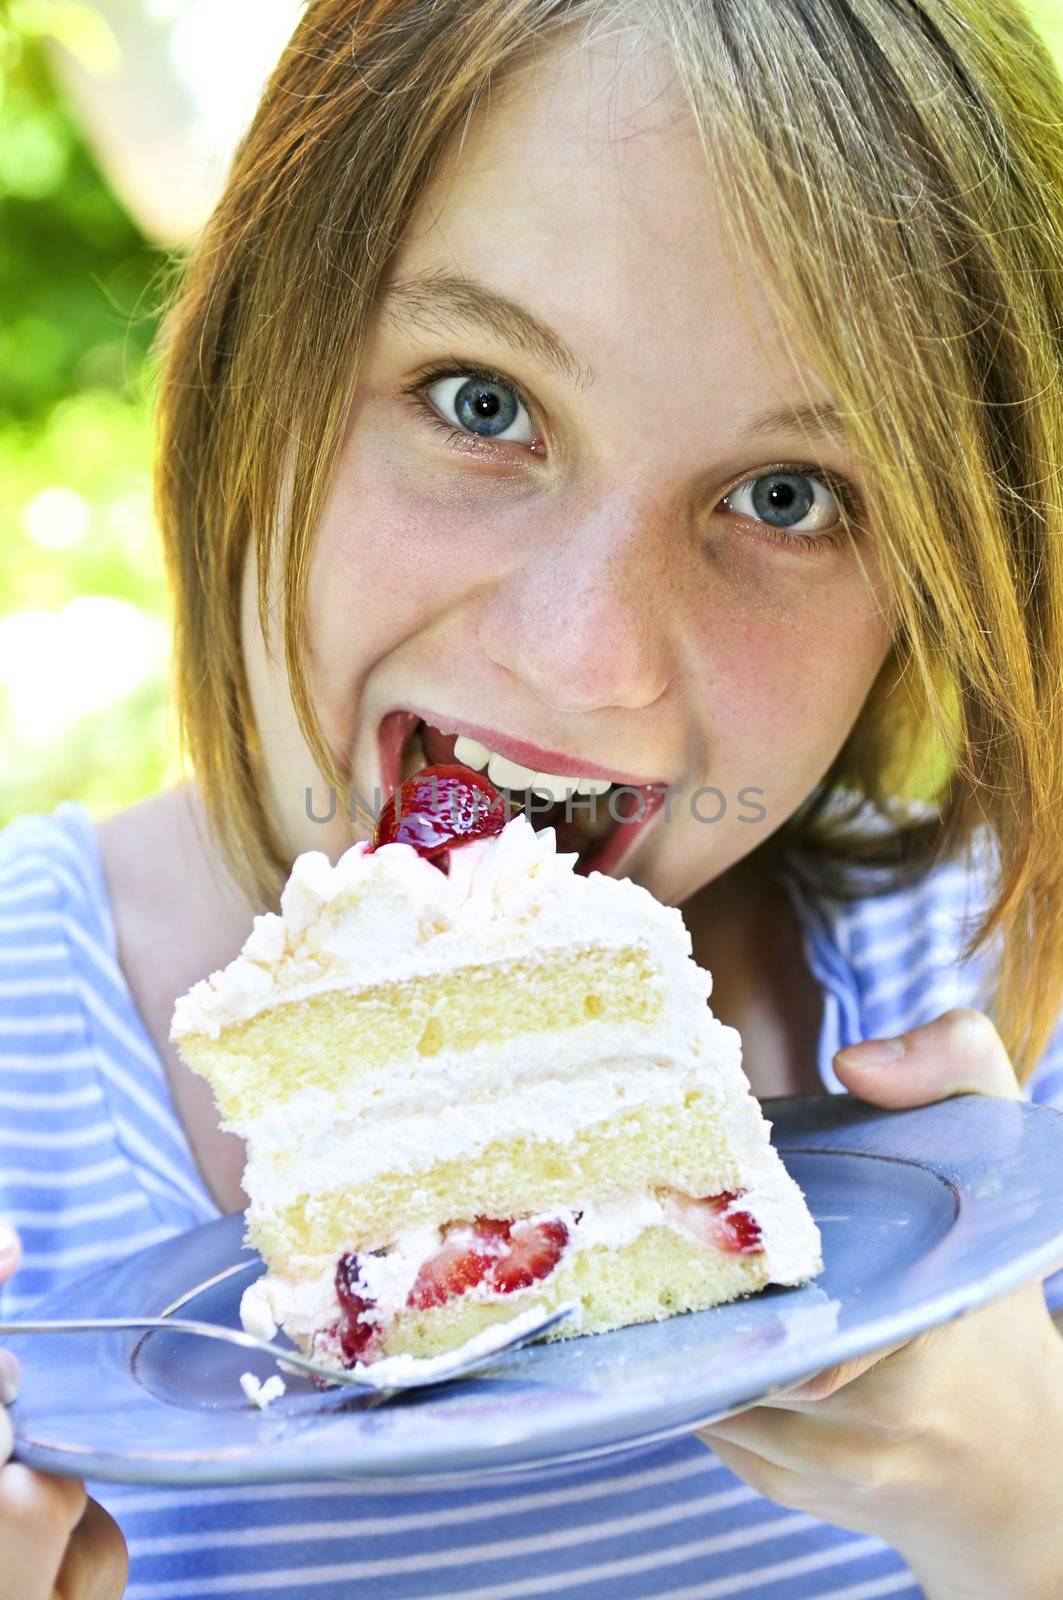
(498, 1252)
(462, 1261)
(503, 1255)
(493, 1228)
(735, 1231)
(535, 1248)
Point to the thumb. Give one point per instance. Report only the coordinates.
(958, 1053)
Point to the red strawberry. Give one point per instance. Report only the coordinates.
(439, 807)
(493, 1228)
(501, 1254)
(535, 1248)
(353, 1331)
(462, 1261)
(738, 1232)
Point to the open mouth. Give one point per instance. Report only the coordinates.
(599, 816)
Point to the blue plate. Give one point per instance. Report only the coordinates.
(925, 1214)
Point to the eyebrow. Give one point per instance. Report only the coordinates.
(443, 298)
(824, 419)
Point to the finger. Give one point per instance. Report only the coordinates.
(784, 1439)
(38, 1513)
(958, 1053)
(822, 1386)
(10, 1251)
(96, 1563)
(805, 1462)
(768, 1479)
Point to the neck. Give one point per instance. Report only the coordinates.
(745, 932)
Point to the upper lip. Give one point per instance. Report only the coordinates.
(533, 756)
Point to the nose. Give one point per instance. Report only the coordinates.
(583, 618)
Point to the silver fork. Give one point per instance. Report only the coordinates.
(386, 1375)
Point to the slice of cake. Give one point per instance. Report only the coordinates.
(471, 1091)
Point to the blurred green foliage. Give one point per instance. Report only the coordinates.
(79, 295)
(78, 283)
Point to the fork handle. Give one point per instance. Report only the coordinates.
(93, 1324)
(205, 1330)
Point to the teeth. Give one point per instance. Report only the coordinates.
(509, 774)
(503, 772)
(471, 753)
(557, 788)
(512, 775)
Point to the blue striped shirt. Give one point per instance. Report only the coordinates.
(94, 1164)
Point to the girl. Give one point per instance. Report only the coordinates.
(671, 389)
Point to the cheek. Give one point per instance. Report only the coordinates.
(786, 673)
(390, 559)
(377, 571)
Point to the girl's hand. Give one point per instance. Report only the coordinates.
(55, 1543)
(949, 1447)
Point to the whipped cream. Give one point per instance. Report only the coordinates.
(262, 1394)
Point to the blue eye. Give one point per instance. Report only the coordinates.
(484, 406)
(795, 502)
(472, 405)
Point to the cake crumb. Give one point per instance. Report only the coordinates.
(261, 1394)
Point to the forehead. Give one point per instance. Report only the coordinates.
(580, 189)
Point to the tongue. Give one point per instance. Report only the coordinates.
(438, 747)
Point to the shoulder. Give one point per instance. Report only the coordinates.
(174, 916)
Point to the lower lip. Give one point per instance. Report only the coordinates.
(395, 730)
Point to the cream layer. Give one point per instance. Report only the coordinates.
(315, 1146)
(679, 1041)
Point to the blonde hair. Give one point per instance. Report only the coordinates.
(906, 214)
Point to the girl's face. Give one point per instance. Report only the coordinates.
(572, 520)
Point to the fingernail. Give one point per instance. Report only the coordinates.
(9, 1244)
(873, 1053)
(10, 1377)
